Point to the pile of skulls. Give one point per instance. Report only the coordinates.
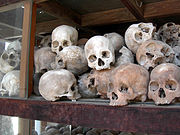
(143, 65)
(10, 69)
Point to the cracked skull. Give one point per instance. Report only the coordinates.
(128, 82)
(99, 52)
(55, 84)
(43, 58)
(164, 84)
(62, 37)
(71, 58)
(170, 34)
(153, 52)
(136, 34)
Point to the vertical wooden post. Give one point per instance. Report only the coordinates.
(24, 127)
(25, 49)
(31, 53)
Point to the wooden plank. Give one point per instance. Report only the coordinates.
(39, 1)
(7, 2)
(134, 7)
(25, 49)
(31, 53)
(56, 9)
(133, 118)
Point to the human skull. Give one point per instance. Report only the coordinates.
(63, 36)
(125, 56)
(55, 84)
(153, 52)
(164, 84)
(10, 83)
(128, 82)
(136, 34)
(9, 60)
(170, 34)
(116, 39)
(99, 52)
(46, 41)
(73, 59)
(15, 45)
(177, 55)
(43, 58)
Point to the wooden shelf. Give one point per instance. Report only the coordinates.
(137, 117)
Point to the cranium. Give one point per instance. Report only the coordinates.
(116, 39)
(9, 60)
(153, 52)
(73, 59)
(128, 82)
(43, 58)
(170, 34)
(10, 83)
(63, 36)
(55, 84)
(164, 84)
(136, 34)
(15, 45)
(177, 55)
(125, 56)
(46, 41)
(99, 52)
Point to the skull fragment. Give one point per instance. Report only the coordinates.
(99, 52)
(153, 52)
(164, 84)
(56, 84)
(63, 36)
(136, 34)
(71, 58)
(128, 82)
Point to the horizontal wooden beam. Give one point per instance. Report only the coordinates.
(57, 10)
(152, 10)
(7, 2)
(139, 117)
(39, 1)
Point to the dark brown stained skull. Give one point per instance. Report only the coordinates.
(128, 82)
(164, 85)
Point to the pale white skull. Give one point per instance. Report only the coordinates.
(71, 58)
(99, 52)
(164, 84)
(9, 60)
(136, 34)
(63, 36)
(43, 58)
(170, 34)
(46, 41)
(177, 55)
(10, 83)
(125, 56)
(116, 39)
(128, 82)
(153, 52)
(55, 84)
(15, 45)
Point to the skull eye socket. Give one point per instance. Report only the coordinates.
(60, 62)
(138, 36)
(154, 86)
(170, 24)
(145, 30)
(65, 43)
(92, 58)
(105, 54)
(55, 44)
(158, 61)
(149, 55)
(12, 63)
(12, 56)
(114, 96)
(170, 85)
(123, 89)
(5, 56)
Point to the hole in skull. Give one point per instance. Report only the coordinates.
(123, 88)
(12, 63)
(170, 85)
(60, 62)
(154, 86)
(91, 82)
(65, 43)
(60, 48)
(92, 58)
(105, 54)
(11, 56)
(158, 61)
(43, 71)
(114, 96)
(55, 44)
(5, 56)
(169, 24)
(149, 55)
(145, 30)
(138, 36)
(178, 56)
(162, 93)
(72, 88)
(100, 62)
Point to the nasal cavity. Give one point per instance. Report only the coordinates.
(100, 62)
(162, 93)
